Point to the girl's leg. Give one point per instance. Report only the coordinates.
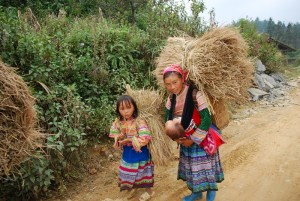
(210, 195)
(193, 196)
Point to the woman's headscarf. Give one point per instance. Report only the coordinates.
(178, 69)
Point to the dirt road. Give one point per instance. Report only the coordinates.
(261, 160)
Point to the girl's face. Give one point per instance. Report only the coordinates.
(174, 83)
(126, 110)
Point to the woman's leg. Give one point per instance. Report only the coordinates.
(210, 195)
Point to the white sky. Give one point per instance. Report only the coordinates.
(279, 10)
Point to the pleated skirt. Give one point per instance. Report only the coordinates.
(201, 171)
(137, 174)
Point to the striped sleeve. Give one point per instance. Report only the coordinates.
(114, 130)
(201, 100)
(143, 138)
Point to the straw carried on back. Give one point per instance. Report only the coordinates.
(218, 64)
(149, 103)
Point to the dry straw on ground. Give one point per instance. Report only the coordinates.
(149, 103)
(217, 62)
(18, 134)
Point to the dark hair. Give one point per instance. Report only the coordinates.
(125, 99)
(167, 74)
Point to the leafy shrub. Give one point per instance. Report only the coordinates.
(32, 178)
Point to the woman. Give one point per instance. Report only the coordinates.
(200, 170)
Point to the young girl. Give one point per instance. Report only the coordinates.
(132, 135)
(200, 170)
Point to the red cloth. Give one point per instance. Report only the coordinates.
(195, 122)
(212, 141)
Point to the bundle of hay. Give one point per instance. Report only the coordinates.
(172, 53)
(149, 103)
(220, 113)
(18, 136)
(218, 64)
(218, 61)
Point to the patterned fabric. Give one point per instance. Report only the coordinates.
(201, 171)
(212, 141)
(134, 129)
(136, 175)
(136, 169)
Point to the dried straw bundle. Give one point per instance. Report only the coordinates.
(18, 136)
(149, 103)
(218, 62)
(172, 53)
(220, 113)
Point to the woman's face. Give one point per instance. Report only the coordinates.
(174, 83)
(126, 110)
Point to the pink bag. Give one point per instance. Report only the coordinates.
(212, 141)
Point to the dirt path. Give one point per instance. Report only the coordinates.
(260, 159)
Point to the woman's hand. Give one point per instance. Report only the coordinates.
(185, 142)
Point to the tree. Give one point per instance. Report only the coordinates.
(270, 27)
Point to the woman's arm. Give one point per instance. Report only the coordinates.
(206, 120)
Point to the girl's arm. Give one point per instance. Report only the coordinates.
(143, 138)
(114, 129)
(115, 133)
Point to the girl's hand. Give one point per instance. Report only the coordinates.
(185, 142)
(121, 136)
(117, 146)
(123, 142)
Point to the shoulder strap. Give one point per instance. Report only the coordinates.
(173, 103)
(188, 108)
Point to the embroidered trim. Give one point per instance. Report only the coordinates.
(192, 126)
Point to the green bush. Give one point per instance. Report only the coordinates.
(31, 179)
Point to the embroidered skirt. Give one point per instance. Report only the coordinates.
(136, 171)
(201, 171)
